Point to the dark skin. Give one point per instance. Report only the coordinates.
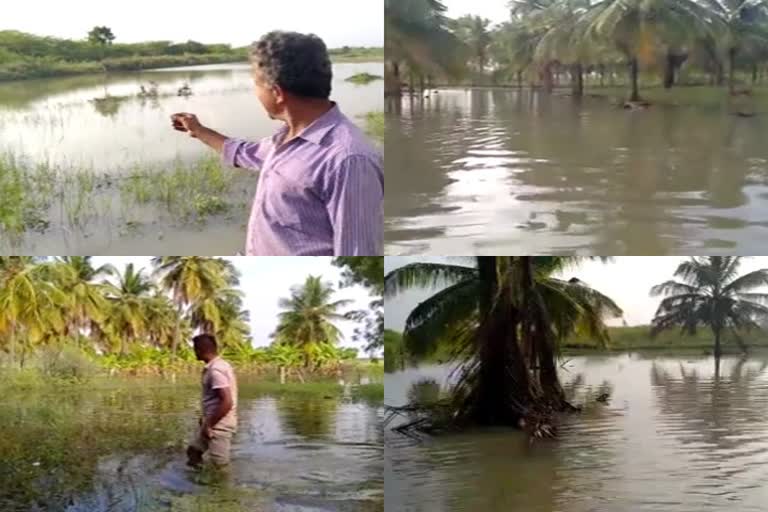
(224, 395)
(295, 111)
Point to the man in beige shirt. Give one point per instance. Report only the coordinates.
(219, 405)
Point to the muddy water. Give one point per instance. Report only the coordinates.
(674, 436)
(504, 172)
(97, 125)
(291, 453)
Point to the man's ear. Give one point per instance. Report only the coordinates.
(279, 94)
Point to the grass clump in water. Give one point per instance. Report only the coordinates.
(369, 392)
(374, 125)
(363, 78)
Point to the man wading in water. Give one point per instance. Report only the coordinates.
(219, 420)
(321, 185)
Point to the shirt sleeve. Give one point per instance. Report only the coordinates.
(355, 194)
(241, 153)
(219, 380)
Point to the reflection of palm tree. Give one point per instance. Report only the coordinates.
(312, 418)
(707, 405)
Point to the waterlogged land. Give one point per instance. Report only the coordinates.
(489, 171)
(117, 444)
(673, 436)
(90, 164)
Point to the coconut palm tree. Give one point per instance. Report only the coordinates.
(639, 28)
(30, 305)
(744, 27)
(308, 317)
(78, 276)
(127, 318)
(416, 34)
(473, 32)
(192, 279)
(710, 293)
(505, 317)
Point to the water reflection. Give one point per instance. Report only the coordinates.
(486, 171)
(675, 435)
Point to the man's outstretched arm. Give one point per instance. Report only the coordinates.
(237, 153)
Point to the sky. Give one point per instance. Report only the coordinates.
(495, 10)
(237, 22)
(627, 280)
(264, 280)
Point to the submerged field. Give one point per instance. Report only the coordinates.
(117, 443)
(91, 165)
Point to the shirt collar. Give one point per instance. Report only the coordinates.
(209, 363)
(315, 132)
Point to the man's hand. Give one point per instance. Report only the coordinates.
(187, 123)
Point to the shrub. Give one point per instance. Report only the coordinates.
(67, 363)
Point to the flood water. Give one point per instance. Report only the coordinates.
(504, 172)
(292, 452)
(674, 436)
(99, 124)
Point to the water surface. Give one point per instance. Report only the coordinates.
(292, 452)
(97, 132)
(673, 437)
(500, 171)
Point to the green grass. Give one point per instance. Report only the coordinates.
(363, 78)
(373, 393)
(188, 191)
(375, 125)
(704, 97)
(638, 338)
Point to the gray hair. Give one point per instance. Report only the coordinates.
(297, 63)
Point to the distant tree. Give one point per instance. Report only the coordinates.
(101, 35)
(369, 272)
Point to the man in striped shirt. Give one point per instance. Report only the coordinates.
(321, 182)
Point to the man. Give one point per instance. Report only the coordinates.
(219, 420)
(321, 185)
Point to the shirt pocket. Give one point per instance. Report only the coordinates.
(286, 195)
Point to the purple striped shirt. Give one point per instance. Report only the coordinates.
(319, 194)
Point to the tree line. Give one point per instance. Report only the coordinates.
(135, 317)
(713, 40)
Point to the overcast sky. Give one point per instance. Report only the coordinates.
(264, 280)
(237, 22)
(495, 10)
(627, 280)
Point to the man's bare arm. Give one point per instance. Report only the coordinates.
(225, 405)
(189, 123)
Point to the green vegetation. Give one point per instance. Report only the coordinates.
(25, 56)
(187, 191)
(507, 318)
(356, 54)
(71, 321)
(578, 43)
(375, 125)
(363, 78)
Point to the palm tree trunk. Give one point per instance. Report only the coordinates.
(718, 350)
(546, 78)
(669, 71)
(520, 80)
(577, 80)
(497, 384)
(633, 76)
(177, 332)
(731, 69)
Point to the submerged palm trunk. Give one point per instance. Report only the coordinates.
(577, 80)
(494, 389)
(718, 350)
(633, 77)
(731, 69)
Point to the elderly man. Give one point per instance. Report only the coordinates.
(321, 183)
(219, 420)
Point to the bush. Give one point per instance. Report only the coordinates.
(67, 363)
